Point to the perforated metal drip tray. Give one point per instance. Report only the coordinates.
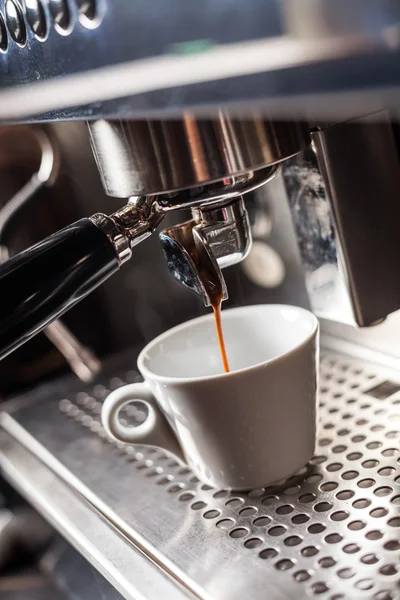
(331, 531)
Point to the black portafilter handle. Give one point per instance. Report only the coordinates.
(41, 283)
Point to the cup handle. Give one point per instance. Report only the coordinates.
(154, 431)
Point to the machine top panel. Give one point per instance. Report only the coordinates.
(84, 59)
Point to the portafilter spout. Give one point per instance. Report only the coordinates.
(191, 263)
(217, 236)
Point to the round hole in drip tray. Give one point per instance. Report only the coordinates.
(134, 414)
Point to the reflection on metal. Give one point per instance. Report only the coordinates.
(44, 176)
(332, 527)
(262, 51)
(157, 157)
(346, 219)
(117, 560)
(218, 191)
(316, 238)
(218, 236)
(226, 230)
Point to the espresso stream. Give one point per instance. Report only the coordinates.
(215, 293)
(221, 342)
(211, 281)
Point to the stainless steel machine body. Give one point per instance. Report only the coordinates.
(185, 144)
(139, 60)
(343, 195)
(149, 526)
(197, 106)
(138, 158)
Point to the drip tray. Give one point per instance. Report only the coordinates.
(330, 531)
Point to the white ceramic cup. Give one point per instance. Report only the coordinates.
(239, 430)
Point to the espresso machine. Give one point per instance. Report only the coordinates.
(197, 115)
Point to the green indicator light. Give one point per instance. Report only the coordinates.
(191, 47)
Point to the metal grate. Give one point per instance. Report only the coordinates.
(331, 531)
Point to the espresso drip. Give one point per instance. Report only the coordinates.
(212, 285)
(220, 335)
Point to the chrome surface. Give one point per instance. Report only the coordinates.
(139, 218)
(382, 339)
(59, 10)
(344, 204)
(218, 191)
(124, 566)
(130, 225)
(191, 262)
(118, 239)
(16, 203)
(314, 227)
(360, 165)
(138, 59)
(226, 231)
(36, 17)
(15, 22)
(218, 236)
(154, 157)
(88, 9)
(3, 35)
(330, 531)
(45, 175)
